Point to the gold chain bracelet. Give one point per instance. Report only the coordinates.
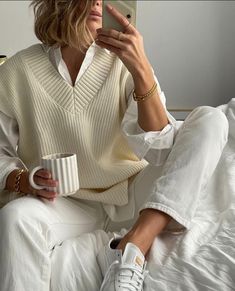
(147, 95)
(17, 180)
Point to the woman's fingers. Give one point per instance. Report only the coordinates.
(120, 18)
(114, 34)
(46, 194)
(115, 42)
(127, 45)
(43, 178)
(45, 182)
(43, 173)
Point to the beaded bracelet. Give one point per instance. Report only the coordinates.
(17, 180)
(147, 95)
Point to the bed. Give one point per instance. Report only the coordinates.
(203, 258)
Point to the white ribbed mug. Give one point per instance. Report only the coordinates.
(64, 168)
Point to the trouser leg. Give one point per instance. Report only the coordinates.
(30, 229)
(74, 263)
(175, 187)
(192, 161)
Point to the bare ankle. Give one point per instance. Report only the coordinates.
(137, 239)
(150, 223)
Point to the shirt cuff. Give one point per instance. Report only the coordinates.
(154, 146)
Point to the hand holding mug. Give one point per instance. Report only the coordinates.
(43, 178)
(57, 175)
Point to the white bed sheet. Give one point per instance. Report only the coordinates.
(203, 258)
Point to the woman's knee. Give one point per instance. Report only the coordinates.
(10, 221)
(210, 121)
(16, 214)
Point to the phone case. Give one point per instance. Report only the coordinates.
(127, 8)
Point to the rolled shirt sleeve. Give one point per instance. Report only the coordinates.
(153, 146)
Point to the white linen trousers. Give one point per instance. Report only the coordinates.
(30, 229)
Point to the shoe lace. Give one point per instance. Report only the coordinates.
(127, 276)
(130, 277)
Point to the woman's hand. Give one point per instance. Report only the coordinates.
(127, 45)
(43, 178)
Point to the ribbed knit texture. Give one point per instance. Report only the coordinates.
(55, 117)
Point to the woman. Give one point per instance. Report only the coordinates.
(71, 94)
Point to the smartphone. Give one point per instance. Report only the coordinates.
(126, 8)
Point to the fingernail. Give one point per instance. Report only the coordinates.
(109, 6)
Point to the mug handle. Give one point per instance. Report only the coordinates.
(31, 181)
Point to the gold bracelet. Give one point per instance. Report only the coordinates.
(147, 95)
(17, 180)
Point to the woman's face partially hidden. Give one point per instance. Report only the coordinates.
(94, 20)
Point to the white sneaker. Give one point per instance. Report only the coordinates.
(122, 272)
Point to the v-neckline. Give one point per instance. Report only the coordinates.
(71, 98)
(62, 66)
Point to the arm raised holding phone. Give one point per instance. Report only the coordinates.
(129, 47)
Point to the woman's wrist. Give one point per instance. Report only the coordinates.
(10, 182)
(24, 182)
(143, 80)
(17, 181)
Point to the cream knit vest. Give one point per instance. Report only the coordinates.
(85, 119)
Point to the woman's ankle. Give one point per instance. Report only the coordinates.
(150, 223)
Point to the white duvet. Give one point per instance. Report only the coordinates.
(202, 258)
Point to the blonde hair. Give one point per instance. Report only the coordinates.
(62, 22)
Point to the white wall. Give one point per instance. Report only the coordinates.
(191, 45)
(16, 26)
